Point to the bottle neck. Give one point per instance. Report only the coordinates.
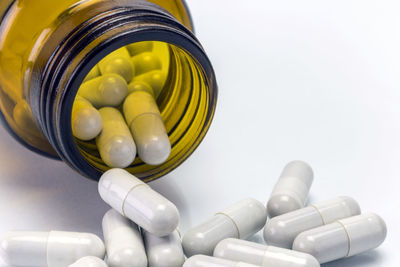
(77, 42)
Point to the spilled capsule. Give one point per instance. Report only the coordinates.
(164, 251)
(291, 191)
(343, 238)
(52, 249)
(89, 261)
(124, 244)
(282, 230)
(147, 127)
(137, 201)
(107, 90)
(207, 261)
(118, 62)
(86, 122)
(115, 143)
(240, 220)
(258, 254)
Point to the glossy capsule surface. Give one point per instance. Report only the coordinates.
(164, 251)
(147, 127)
(240, 220)
(86, 122)
(207, 261)
(343, 238)
(281, 231)
(140, 47)
(146, 62)
(52, 249)
(258, 254)
(118, 62)
(137, 86)
(124, 244)
(89, 261)
(108, 90)
(93, 73)
(156, 79)
(137, 201)
(115, 143)
(291, 191)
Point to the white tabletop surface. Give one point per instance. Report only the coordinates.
(311, 80)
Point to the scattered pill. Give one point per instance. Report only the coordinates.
(138, 202)
(156, 79)
(164, 251)
(124, 244)
(118, 62)
(146, 62)
(140, 47)
(137, 86)
(147, 127)
(89, 261)
(207, 261)
(115, 143)
(343, 238)
(258, 254)
(291, 190)
(52, 249)
(282, 230)
(106, 90)
(93, 73)
(86, 122)
(240, 220)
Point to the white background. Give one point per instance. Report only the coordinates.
(311, 80)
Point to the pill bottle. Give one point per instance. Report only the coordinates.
(48, 48)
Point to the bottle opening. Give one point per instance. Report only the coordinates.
(144, 107)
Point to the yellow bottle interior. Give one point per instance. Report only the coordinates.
(182, 96)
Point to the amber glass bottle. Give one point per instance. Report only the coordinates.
(48, 47)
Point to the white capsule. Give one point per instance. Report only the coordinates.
(52, 249)
(115, 143)
(240, 220)
(147, 127)
(93, 73)
(291, 190)
(137, 86)
(89, 261)
(124, 244)
(164, 251)
(118, 62)
(138, 202)
(258, 254)
(281, 231)
(107, 90)
(146, 62)
(156, 79)
(86, 122)
(343, 238)
(141, 47)
(207, 261)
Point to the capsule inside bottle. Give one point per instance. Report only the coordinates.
(147, 83)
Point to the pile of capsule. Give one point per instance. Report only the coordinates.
(141, 230)
(116, 106)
